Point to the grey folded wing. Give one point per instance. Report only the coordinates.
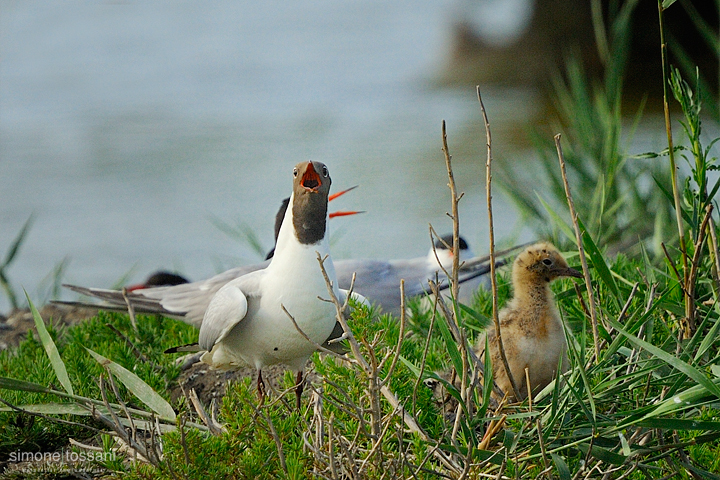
(227, 308)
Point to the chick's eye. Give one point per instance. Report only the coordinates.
(547, 262)
(325, 172)
(294, 172)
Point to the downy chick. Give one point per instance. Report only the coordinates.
(532, 332)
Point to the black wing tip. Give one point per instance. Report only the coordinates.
(190, 347)
(71, 303)
(74, 288)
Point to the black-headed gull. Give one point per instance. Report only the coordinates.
(247, 321)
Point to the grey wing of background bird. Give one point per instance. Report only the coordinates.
(186, 302)
(379, 281)
(376, 280)
(470, 269)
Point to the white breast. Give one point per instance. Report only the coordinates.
(294, 280)
(266, 335)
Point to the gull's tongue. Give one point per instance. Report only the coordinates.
(311, 180)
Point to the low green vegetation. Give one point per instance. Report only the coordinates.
(109, 334)
(648, 406)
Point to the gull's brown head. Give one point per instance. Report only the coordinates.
(311, 186)
(311, 177)
(542, 262)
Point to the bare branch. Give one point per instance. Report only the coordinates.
(493, 279)
(454, 216)
(315, 344)
(692, 278)
(581, 249)
(715, 253)
(131, 309)
(401, 335)
(340, 315)
(672, 265)
(215, 428)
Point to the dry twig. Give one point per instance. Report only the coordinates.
(455, 288)
(488, 191)
(131, 309)
(692, 277)
(715, 253)
(581, 249)
(215, 428)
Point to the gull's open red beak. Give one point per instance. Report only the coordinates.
(310, 179)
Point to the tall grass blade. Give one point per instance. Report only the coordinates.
(50, 348)
(85, 411)
(590, 415)
(487, 381)
(17, 242)
(690, 398)
(557, 221)
(453, 348)
(588, 391)
(138, 387)
(483, 322)
(671, 360)
(562, 468)
(22, 386)
(700, 473)
(598, 261)
(54, 409)
(679, 424)
(603, 454)
(242, 232)
(710, 338)
(624, 444)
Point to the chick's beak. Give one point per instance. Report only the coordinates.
(571, 272)
(311, 180)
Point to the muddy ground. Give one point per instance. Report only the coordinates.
(14, 327)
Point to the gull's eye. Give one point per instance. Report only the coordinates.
(325, 171)
(547, 262)
(295, 172)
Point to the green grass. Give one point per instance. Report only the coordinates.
(29, 362)
(596, 417)
(620, 203)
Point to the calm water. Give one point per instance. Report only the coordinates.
(125, 127)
